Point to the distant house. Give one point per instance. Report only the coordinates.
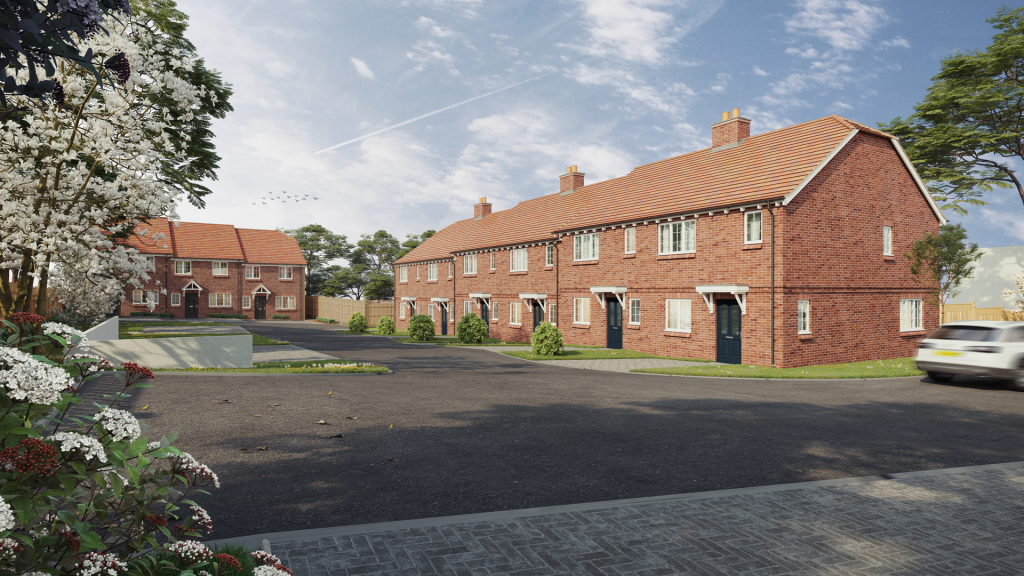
(992, 274)
(776, 249)
(217, 268)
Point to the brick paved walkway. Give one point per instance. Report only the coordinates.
(625, 365)
(959, 521)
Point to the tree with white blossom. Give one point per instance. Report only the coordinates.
(97, 161)
(1018, 294)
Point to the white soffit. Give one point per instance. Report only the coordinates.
(479, 295)
(917, 180)
(789, 197)
(408, 298)
(533, 296)
(438, 299)
(730, 288)
(608, 289)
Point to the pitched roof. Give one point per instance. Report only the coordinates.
(207, 241)
(442, 243)
(146, 244)
(270, 247)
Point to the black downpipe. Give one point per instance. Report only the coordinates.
(772, 213)
(558, 305)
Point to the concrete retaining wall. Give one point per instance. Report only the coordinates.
(201, 352)
(105, 331)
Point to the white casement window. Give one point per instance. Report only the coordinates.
(581, 310)
(143, 297)
(585, 247)
(403, 274)
(401, 310)
(469, 264)
(887, 240)
(252, 272)
(753, 228)
(432, 271)
(803, 316)
(515, 313)
(285, 303)
(284, 272)
(182, 267)
(494, 311)
(677, 237)
(430, 310)
(549, 255)
(175, 299)
(450, 270)
(417, 271)
(634, 310)
(151, 263)
(246, 302)
(220, 300)
(467, 307)
(629, 240)
(553, 314)
(518, 260)
(910, 314)
(492, 260)
(220, 268)
(677, 315)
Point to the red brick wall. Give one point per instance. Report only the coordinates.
(730, 132)
(423, 290)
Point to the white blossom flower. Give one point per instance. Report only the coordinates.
(264, 558)
(98, 564)
(269, 571)
(119, 424)
(29, 380)
(9, 549)
(88, 446)
(73, 336)
(190, 551)
(202, 519)
(198, 474)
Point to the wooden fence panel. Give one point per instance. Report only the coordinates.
(340, 309)
(956, 312)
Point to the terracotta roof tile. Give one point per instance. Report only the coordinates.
(270, 247)
(441, 244)
(206, 241)
(146, 244)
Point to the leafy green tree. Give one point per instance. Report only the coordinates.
(964, 135)
(375, 253)
(346, 281)
(414, 240)
(320, 246)
(943, 261)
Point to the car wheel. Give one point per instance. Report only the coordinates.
(1017, 382)
(940, 376)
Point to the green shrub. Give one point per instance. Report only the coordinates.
(357, 323)
(386, 326)
(471, 329)
(325, 320)
(238, 316)
(421, 328)
(546, 340)
(157, 314)
(279, 317)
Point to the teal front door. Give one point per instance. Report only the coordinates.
(730, 342)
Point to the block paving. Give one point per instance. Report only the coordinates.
(920, 523)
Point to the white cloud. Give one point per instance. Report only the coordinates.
(1009, 222)
(433, 28)
(465, 7)
(829, 74)
(428, 52)
(634, 88)
(721, 81)
(844, 24)
(897, 42)
(760, 72)
(842, 105)
(805, 52)
(362, 69)
(640, 30)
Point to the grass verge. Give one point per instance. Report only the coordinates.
(454, 342)
(257, 340)
(868, 369)
(138, 326)
(596, 355)
(336, 366)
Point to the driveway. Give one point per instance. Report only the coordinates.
(457, 431)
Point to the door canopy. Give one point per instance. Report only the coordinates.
(192, 286)
(479, 297)
(738, 290)
(541, 299)
(600, 292)
(261, 290)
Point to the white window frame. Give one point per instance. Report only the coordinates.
(219, 265)
(403, 274)
(493, 311)
(450, 270)
(469, 264)
(284, 273)
(467, 307)
(584, 245)
(549, 255)
(252, 272)
(401, 309)
(175, 299)
(432, 271)
(687, 230)
(492, 261)
(684, 306)
(515, 313)
(151, 263)
(185, 266)
(581, 311)
(281, 303)
(246, 302)
(629, 240)
(911, 314)
(803, 316)
(430, 310)
(886, 240)
(748, 220)
(552, 315)
(145, 297)
(518, 260)
(417, 272)
(634, 306)
(220, 300)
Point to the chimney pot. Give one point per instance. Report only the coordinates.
(725, 116)
(730, 130)
(735, 112)
(571, 180)
(483, 208)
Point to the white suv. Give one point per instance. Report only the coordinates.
(975, 348)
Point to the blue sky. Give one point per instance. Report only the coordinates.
(602, 84)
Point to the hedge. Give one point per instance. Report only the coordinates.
(279, 317)
(239, 316)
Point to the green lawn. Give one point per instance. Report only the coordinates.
(257, 340)
(595, 355)
(869, 369)
(334, 366)
(138, 326)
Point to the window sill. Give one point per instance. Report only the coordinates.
(400, 283)
(257, 280)
(677, 256)
(431, 281)
(490, 271)
(805, 336)
(632, 326)
(912, 333)
(549, 268)
(449, 278)
(581, 326)
(752, 246)
(220, 275)
(176, 274)
(626, 256)
(888, 258)
(473, 275)
(515, 326)
(585, 263)
(671, 334)
(518, 273)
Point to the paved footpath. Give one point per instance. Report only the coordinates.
(625, 365)
(944, 522)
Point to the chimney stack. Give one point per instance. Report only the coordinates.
(481, 209)
(730, 130)
(571, 180)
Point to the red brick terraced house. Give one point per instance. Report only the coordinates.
(779, 249)
(217, 268)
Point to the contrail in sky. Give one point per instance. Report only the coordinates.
(434, 112)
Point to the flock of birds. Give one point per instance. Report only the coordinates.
(285, 197)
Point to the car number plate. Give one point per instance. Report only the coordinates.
(948, 353)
